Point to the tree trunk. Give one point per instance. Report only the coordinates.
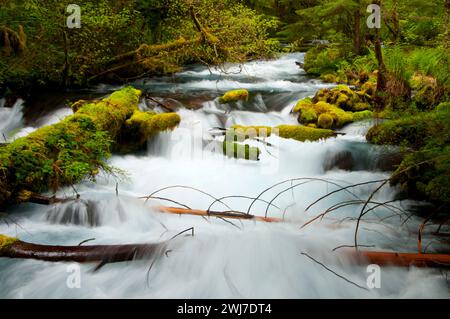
(357, 31)
(446, 22)
(381, 76)
(96, 253)
(75, 148)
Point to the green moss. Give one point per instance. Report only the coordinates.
(325, 121)
(143, 125)
(242, 151)
(329, 78)
(298, 132)
(443, 107)
(340, 117)
(302, 104)
(75, 148)
(307, 116)
(303, 133)
(424, 172)
(245, 132)
(358, 116)
(234, 96)
(6, 242)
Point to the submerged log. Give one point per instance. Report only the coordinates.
(231, 214)
(401, 259)
(15, 248)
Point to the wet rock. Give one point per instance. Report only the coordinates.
(343, 160)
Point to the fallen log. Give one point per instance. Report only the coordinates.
(15, 248)
(400, 259)
(77, 147)
(230, 214)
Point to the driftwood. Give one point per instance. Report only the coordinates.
(45, 200)
(93, 253)
(400, 259)
(229, 214)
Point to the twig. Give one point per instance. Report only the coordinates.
(333, 272)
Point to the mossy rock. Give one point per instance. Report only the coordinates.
(344, 97)
(325, 121)
(143, 125)
(304, 103)
(363, 115)
(6, 242)
(424, 172)
(303, 133)
(245, 132)
(234, 96)
(241, 151)
(298, 132)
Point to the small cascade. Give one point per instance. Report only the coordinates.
(11, 118)
(243, 259)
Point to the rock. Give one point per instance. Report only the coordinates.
(234, 96)
(343, 160)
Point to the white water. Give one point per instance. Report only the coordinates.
(244, 260)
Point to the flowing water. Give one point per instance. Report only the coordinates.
(224, 259)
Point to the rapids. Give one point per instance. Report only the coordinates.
(242, 259)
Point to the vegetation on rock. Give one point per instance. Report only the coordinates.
(234, 96)
(75, 148)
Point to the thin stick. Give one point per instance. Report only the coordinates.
(333, 272)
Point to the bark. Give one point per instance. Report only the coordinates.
(357, 30)
(231, 214)
(446, 22)
(401, 259)
(77, 147)
(92, 253)
(381, 76)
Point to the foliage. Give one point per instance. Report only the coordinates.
(424, 173)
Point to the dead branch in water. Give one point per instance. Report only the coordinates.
(333, 272)
(94, 253)
(400, 259)
(296, 179)
(226, 214)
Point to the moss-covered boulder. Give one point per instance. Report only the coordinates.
(425, 172)
(335, 104)
(143, 125)
(234, 96)
(71, 150)
(242, 151)
(303, 133)
(343, 97)
(298, 132)
(309, 113)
